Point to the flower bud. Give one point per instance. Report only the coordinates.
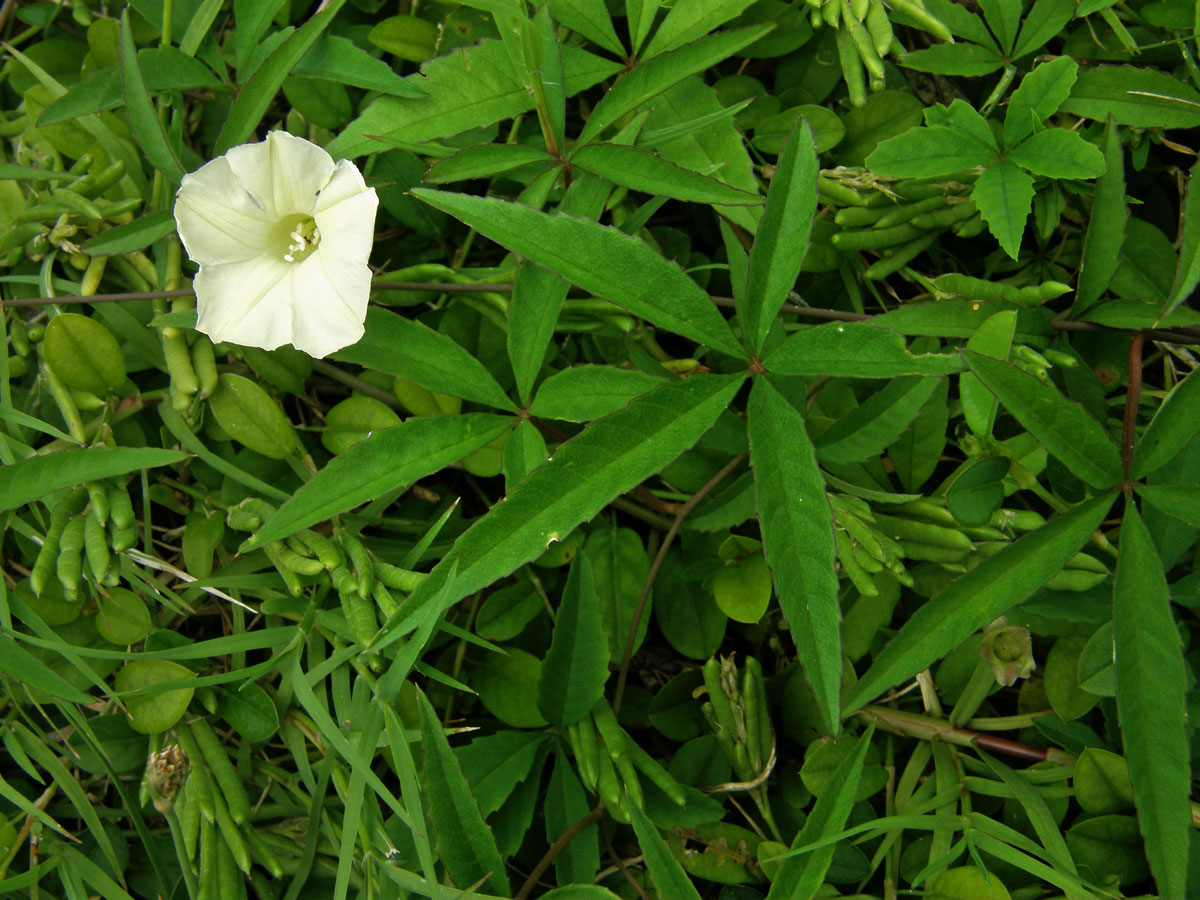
(166, 771)
(1008, 649)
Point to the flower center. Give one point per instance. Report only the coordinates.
(294, 237)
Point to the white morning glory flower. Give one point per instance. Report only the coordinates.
(282, 235)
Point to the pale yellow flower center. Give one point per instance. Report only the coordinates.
(293, 238)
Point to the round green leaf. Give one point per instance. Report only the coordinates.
(770, 133)
(674, 711)
(507, 686)
(353, 419)
(884, 115)
(967, 883)
(250, 710)
(1110, 847)
(83, 353)
(407, 37)
(154, 713)
(505, 613)
(1102, 783)
(53, 606)
(1069, 700)
(122, 617)
(978, 491)
(248, 414)
(824, 756)
(743, 589)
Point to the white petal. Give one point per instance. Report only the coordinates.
(331, 302)
(346, 217)
(248, 303)
(285, 172)
(218, 220)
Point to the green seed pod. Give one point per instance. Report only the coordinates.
(260, 852)
(944, 218)
(43, 567)
(610, 790)
(65, 403)
(902, 214)
(610, 731)
(862, 42)
(359, 559)
(1075, 580)
(875, 238)
(656, 774)
(831, 12)
(852, 71)
(629, 777)
(179, 362)
(224, 775)
(899, 257)
(397, 578)
(839, 192)
(861, 216)
(230, 833)
(723, 718)
(18, 335)
(142, 265)
(325, 550)
(189, 820)
(859, 577)
(96, 183)
(81, 205)
(95, 542)
(879, 26)
(858, 9)
(208, 876)
(972, 227)
(290, 559)
(384, 600)
(122, 209)
(932, 552)
(204, 364)
(902, 529)
(586, 747)
(924, 20)
(930, 510)
(69, 566)
(199, 782)
(359, 613)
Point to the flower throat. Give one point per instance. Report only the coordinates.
(294, 237)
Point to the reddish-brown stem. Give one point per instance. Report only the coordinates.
(573, 830)
(1131, 402)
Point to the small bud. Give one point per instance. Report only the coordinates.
(166, 771)
(1008, 649)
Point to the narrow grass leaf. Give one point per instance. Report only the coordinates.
(383, 461)
(602, 260)
(801, 875)
(576, 665)
(989, 590)
(783, 233)
(409, 349)
(142, 115)
(612, 456)
(855, 350)
(137, 234)
(1152, 704)
(1060, 425)
(797, 529)
(1039, 813)
(30, 479)
(465, 844)
(32, 672)
(669, 877)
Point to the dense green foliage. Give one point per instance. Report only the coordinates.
(770, 470)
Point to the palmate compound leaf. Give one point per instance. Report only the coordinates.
(797, 529)
(1151, 703)
(610, 457)
(976, 598)
(602, 260)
